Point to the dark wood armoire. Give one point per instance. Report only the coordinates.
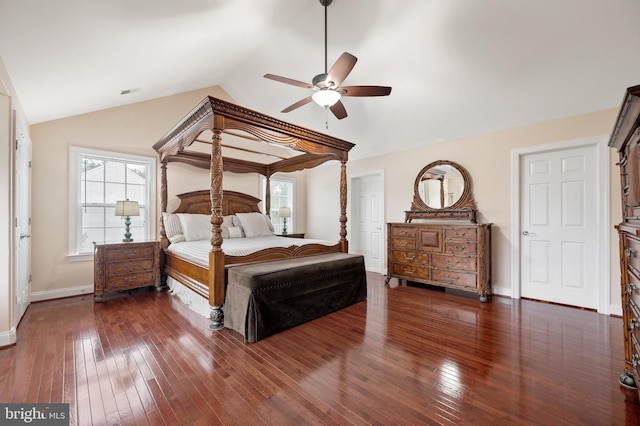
(626, 139)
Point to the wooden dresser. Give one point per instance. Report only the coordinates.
(125, 266)
(626, 139)
(443, 254)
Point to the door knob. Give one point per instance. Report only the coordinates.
(527, 233)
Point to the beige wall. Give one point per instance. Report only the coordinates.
(131, 129)
(134, 128)
(488, 160)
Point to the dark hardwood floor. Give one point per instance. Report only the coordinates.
(405, 356)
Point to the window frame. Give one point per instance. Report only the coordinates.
(290, 221)
(75, 222)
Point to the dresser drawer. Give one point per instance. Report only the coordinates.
(633, 288)
(409, 257)
(126, 282)
(460, 234)
(461, 279)
(410, 271)
(404, 231)
(460, 247)
(137, 251)
(403, 244)
(454, 262)
(129, 266)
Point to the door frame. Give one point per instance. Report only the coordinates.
(602, 215)
(352, 209)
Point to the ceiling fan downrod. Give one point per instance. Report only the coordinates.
(326, 4)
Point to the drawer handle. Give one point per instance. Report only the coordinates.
(409, 271)
(459, 235)
(408, 258)
(629, 251)
(133, 265)
(133, 278)
(402, 243)
(460, 248)
(448, 262)
(633, 324)
(453, 278)
(404, 232)
(630, 288)
(634, 361)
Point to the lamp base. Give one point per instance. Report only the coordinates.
(127, 240)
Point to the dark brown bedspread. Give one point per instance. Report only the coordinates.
(264, 298)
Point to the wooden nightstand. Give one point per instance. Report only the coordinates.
(294, 235)
(125, 266)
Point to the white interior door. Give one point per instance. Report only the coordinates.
(367, 220)
(22, 223)
(559, 227)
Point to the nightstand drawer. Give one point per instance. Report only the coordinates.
(129, 267)
(126, 282)
(137, 251)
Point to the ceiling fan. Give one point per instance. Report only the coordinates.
(326, 86)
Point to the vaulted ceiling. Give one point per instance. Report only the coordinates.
(457, 67)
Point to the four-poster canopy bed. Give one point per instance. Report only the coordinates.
(221, 117)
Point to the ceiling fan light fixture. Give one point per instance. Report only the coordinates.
(326, 97)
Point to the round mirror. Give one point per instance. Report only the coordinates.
(442, 186)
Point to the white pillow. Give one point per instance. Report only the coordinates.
(269, 223)
(227, 221)
(172, 227)
(195, 226)
(235, 232)
(254, 224)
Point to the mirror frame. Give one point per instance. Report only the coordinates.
(463, 209)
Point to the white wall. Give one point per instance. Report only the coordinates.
(488, 160)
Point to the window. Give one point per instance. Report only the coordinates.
(97, 180)
(282, 190)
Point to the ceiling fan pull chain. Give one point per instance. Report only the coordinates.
(326, 117)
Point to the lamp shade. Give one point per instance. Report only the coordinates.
(326, 97)
(284, 212)
(127, 208)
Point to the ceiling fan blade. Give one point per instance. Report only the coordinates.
(338, 110)
(364, 90)
(289, 81)
(341, 69)
(298, 104)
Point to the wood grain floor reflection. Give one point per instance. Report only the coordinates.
(405, 356)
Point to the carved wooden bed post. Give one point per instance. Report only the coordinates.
(216, 256)
(343, 206)
(163, 203)
(267, 195)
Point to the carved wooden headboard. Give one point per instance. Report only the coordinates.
(199, 202)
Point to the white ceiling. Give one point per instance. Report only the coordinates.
(457, 67)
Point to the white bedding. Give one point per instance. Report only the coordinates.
(198, 251)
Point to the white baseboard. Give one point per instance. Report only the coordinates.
(615, 310)
(501, 291)
(8, 338)
(39, 296)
